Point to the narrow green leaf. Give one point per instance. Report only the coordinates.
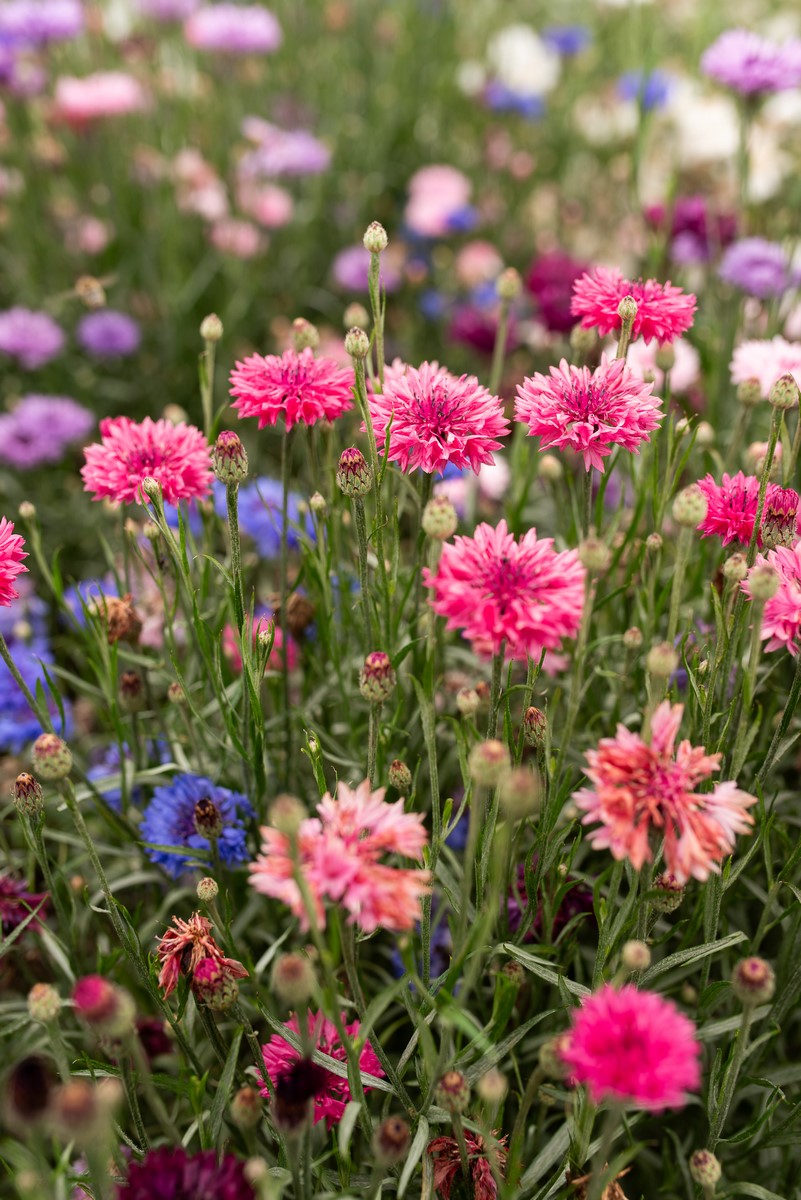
(224, 1087)
(416, 1151)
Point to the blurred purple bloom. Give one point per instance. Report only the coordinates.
(351, 266)
(168, 10)
(37, 22)
(697, 233)
(500, 98)
(281, 151)
(751, 65)
(33, 338)
(550, 281)
(109, 334)
(233, 29)
(567, 40)
(649, 89)
(758, 267)
(473, 327)
(578, 901)
(40, 429)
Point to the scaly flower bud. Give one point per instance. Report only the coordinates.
(509, 285)
(354, 476)
(375, 238)
(784, 393)
(229, 458)
(735, 568)
(131, 692)
(246, 1108)
(211, 328)
(662, 660)
(552, 1056)
(51, 757)
(213, 983)
(287, 814)
(400, 777)
(519, 794)
(293, 979)
(635, 956)
(468, 701)
(304, 335)
(391, 1142)
(749, 393)
(632, 638)
(452, 1092)
(492, 1087)
(439, 519)
(207, 890)
(582, 340)
(317, 504)
(627, 310)
(668, 893)
(595, 555)
(377, 678)
(44, 1003)
(356, 316)
(28, 794)
(105, 1008)
(487, 762)
(763, 582)
(705, 1169)
(753, 981)
(357, 343)
(689, 507)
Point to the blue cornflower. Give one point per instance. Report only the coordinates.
(650, 89)
(501, 98)
(184, 813)
(433, 305)
(18, 725)
(463, 220)
(260, 515)
(567, 40)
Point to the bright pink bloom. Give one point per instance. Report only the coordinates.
(330, 1103)
(497, 591)
(436, 419)
(633, 1048)
(448, 1164)
(664, 312)
(11, 556)
(781, 616)
(298, 387)
(589, 411)
(105, 94)
(732, 506)
(649, 788)
(186, 944)
(177, 456)
(766, 360)
(339, 856)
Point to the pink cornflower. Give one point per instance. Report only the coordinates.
(339, 852)
(497, 591)
(732, 506)
(330, 1101)
(448, 1164)
(664, 312)
(104, 94)
(11, 556)
(275, 662)
(781, 616)
(298, 387)
(633, 1048)
(183, 946)
(177, 456)
(589, 411)
(646, 790)
(766, 360)
(435, 418)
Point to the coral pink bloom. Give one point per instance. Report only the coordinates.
(329, 1103)
(11, 556)
(497, 591)
(766, 360)
(177, 456)
(105, 94)
(185, 945)
(297, 387)
(448, 1164)
(644, 789)
(435, 418)
(732, 507)
(664, 312)
(633, 1048)
(339, 856)
(781, 616)
(587, 411)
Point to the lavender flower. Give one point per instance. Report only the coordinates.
(281, 152)
(109, 334)
(40, 429)
(351, 267)
(168, 10)
(233, 29)
(751, 65)
(758, 267)
(32, 338)
(32, 23)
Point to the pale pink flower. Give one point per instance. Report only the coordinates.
(436, 194)
(177, 456)
(335, 1094)
(587, 411)
(684, 374)
(11, 556)
(275, 662)
(633, 1048)
(477, 262)
(781, 616)
(644, 791)
(104, 94)
(664, 312)
(435, 418)
(298, 387)
(766, 360)
(270, 205)
(87, 235)
(339, 852)
(184, 945)
(239, 239)
(523, 596)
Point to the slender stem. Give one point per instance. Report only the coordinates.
(787, 716)
(374, 285)
(360, 391)
(361, 537)
(207, 387)
(519, 1130)
(730, 1082)
(153, 1098)
(577, 678)
(495, 692)
(601, 1156)
(624, 337)
(283, 604)
(499, 349)
(773, 438)
(372, 743)
(231, 495)
(586, 508)
(478, 804)
(679, 569)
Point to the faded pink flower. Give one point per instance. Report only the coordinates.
(266, 203)
(480, 1154)
(647, 790)
(186, 944)
(329, 1104)
(589, 411)
(732, 506)
(104, 94)
(781, 616)
(766, 360)
(177, 456)
(339, 852)
(298, 387)
(239, 239)
(684, 374)
(633, 1048)
(275, 662)
(664, 312)
(435, 418)
(11, 556)
(523, 595)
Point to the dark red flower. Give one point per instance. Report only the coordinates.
(550, 280)
(171, 1174)
(448, 1166)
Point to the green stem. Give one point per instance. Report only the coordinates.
(586, 508)
(283, 605)
(495, 692)
(601, 1156)
(787, 716)
(374, 286)
(499, 349)
(360, 392)
(207, 387)
(576, 681)
(361, 537)
(773, 438)
(726, 1095)
(679, 569)
(231, 495)
(372, 743)
(517, 1139)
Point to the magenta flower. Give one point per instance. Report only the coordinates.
(79, 101)
(732, 506)
(334, 1093)
(17, 903)
(751, 65)
(11, 556)
(523, 596)
(589, 411)
(177, 456)
(435, 418)
(634, 1048)
(781, 616)
(298, 387)
(170, 1173)
(664, 312)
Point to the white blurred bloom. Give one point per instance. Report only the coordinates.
(684, 372)
(471, 77)
(707, 126)
(603, 120)
(521, 60)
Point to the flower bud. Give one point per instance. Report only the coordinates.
(213, 983)
(665, 357)
(552, 1056)
(632, 638)
(211, 328)
(375, 238)
(82, 1111)
(595, 555)
(550, 469)
(400, 777)
(513, 973)
(468, 701)
(207, 890)
(391, 1141)
(51, 757)
(229, 458)
(287, 813)
(27, 511)
(176, 693)
(704, 435)
(780, 517)
(439, 519)
(293, 979)
(106, 1009)
(377, 678)
(705, 1169)
(207, 819)
(784, 393)
(246, 1108)
(749, 393)
(492, 1087)
(689, 507)
(131, 692)
(667, 893)
(357, 343)
(519, 794)
(150, 487)
(452, 1092)
(28, 794)
(509, 285)
(356, 315)
(44, 1003)
(736, 567)
(627, 310)
(662, 660)
(317, 504)
(487, 763)
(653, 542)
(753, 981)
(763, 582)
(582, 340)
(535, 728)
(354, 476)
(90, 292)
(304, 335)
(635, 956)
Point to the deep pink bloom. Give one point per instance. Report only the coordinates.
(647, 790)
(297, 387)
(186, 944)
(497, 591)
(171, 1173)
(664, 312)
(339, 852)
(104, 94)
(781, 616)
(330, 1103)
(436, 419)
(177, 456)
(633, 1048)
(732, 506)
(11, 556)
(589, 411)
(17, 904)
(550, 280)
(448, 1164)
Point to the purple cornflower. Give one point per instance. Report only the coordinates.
(751, 65)
(649, 89)
(351, 267)
(168, 10)
(109, 334)
(697, 232)
(550, 281)
(32, 338)
(281, 152)
(40, 429)
(758, 267)
(567, 40)
(233, 29)
(31, 23)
